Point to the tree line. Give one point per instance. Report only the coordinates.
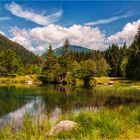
(11, 65)
(116, 61)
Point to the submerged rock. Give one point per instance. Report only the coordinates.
(62, 126)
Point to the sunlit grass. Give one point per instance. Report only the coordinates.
(122, 122)
(18, 81)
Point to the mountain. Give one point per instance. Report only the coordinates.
(73, 48)
(25, 55)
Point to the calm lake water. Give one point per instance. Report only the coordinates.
(58, 100)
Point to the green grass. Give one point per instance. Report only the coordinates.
(118, 82)
(122, 122)
(19, 81)
(35, 129)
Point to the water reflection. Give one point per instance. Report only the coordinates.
(57, 100)
(35, 107)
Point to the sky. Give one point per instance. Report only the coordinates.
(91, 24)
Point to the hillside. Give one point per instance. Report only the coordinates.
(25, 55)
(73, 48)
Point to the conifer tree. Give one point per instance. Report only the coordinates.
(51, 69)
(66, 59)
(133, 66)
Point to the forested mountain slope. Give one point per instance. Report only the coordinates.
(25, 55)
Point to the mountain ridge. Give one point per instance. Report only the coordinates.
(73, 48)
(25, 55)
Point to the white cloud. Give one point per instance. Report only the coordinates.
(109, 20)
(4, 18)
(17, 10)
(126, 35)
(40, 37)
(22, 37)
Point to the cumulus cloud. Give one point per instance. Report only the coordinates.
(22, 37)
(4, 18)
(126, 35)
(38, 39)
(17, 10)
(109, 20)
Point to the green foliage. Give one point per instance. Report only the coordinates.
(102, 67)
(133, 66)
(51, 68)
(85, 71)
(32, 69)
(123, 67)
(40, 61)
(85, 121)
(31, 129)
(106, 124)
(114, 56)
(9, 62)
(66, 59)
(25, 55)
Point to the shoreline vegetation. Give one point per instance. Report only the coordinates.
(33, 80)
(122, 122)
(19, 80)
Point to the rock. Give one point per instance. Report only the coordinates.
(111, 83)
(62, 126)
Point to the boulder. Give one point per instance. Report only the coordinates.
(62, 126)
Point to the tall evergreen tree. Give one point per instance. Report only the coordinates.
(66, 59)
(133, 66)
(65, 49)
(52, 67)
(113, 58)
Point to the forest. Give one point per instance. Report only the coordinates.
(115, 61)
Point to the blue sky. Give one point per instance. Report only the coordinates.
(37, 24)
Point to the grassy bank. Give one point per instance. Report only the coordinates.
(117, 81)
(79, 83)
(122, 122)
(19, 79)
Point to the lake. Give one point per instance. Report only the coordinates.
(54, 101)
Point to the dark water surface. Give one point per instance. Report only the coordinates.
(15, 102)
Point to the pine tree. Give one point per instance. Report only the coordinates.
(133, 66)
(113, 57)
(52, 67)
(65, 49)
(51, 59)
(66, 59)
